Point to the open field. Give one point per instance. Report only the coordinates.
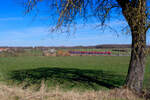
(83, 73)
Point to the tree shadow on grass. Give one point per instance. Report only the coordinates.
(69, 77)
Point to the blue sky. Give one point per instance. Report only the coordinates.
(17, 29)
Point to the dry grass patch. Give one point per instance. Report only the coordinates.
(16, 93)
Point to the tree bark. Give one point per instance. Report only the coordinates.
(136, 70)
(135, 14)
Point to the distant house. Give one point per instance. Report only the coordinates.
(3, 49)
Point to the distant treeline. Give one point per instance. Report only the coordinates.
(75, 47)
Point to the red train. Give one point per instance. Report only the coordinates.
(91, 52)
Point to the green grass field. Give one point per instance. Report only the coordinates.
(94, 73)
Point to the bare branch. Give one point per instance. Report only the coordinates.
(69, 10)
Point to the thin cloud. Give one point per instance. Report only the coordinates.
(11, 19)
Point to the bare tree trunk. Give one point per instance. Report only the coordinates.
(136, 17)
(136, 70)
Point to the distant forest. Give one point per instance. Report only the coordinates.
(69, 47)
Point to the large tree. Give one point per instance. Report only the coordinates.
(135, 12)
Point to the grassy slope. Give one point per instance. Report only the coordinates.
(68, 72)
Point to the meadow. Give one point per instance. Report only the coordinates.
(81, 73)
